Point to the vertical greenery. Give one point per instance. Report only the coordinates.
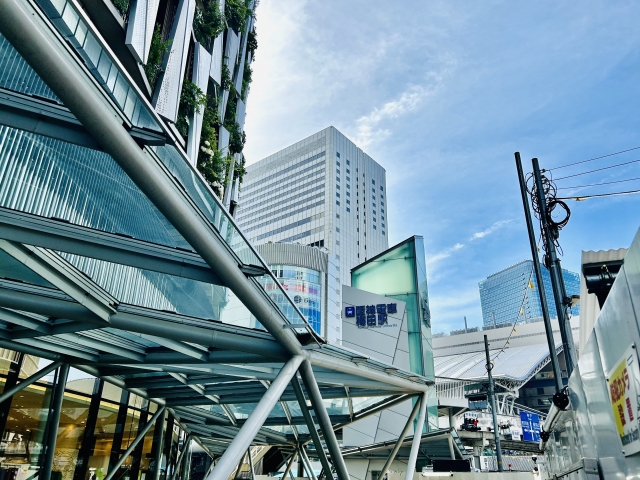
(156, 52)
(225, 78)
(122, 6)
(208, 22)
(246, 80)
(191, 100)
(236, 12)
(252, 42)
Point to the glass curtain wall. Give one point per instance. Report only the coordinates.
(98, 422)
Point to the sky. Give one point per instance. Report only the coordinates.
(442, 94)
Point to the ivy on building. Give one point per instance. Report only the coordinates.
(208, 22)
(156, 51)
(246, 81)
(252, 42)
(236, 12)
(225, 77)
(211, 163)
(192, 99)
(122, 6)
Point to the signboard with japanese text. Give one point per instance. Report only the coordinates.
(530, 426)
(623, 392)
(368, 316)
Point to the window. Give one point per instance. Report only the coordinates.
(337, 203)
(383, 232)
(337, 155)
(348, 179)
(382, 209)
(337, 215)
(348, 186)
(373, 181)
(348, 171)
(540, 391)
(374, 192)
(348, 210)
(383, 225)
(382, 203)
(337, 195)
(338, 229)
(337, 242)
(338, 170)
(374, 227)
(348, 202)
(374, 212)
(337, 179)
(348, 163)
(348, 194)
(374, 219)
(383, 217)
(338, 187)
(374, 205)
(381, 188)
(337, 163)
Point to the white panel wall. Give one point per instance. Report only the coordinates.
(201, 67)
(142, 18)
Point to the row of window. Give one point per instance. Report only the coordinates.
(293, 186)
(288, 169)
(285, 228)
(251, 216)
(282, 217)
(278, 185)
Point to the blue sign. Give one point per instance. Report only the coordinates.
(530, 426)
(371, 315)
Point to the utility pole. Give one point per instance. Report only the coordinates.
(492, 401)
(555, 271)
(466, 329)
(538, 271)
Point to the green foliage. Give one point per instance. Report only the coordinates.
(239, 169)
(225, 78)
(192, 99)
(122, 6)
(236, 12)
(246, 80)
(252, 42)
(156, 52)
(209, 22)
(210, 162)
(237, 137)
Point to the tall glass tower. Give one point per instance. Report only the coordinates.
(510, 296)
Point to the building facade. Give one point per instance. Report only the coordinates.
(309, 276)
(510, 296)
(321, 191)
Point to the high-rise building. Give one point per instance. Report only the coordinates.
(321, 191)
(510, 296)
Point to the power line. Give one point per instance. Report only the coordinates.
(612, 194)
(597, 184)
(592, 159)
(598, 169)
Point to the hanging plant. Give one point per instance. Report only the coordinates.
(122, 6)
(252, 43)
(236, 12)
(225, 77)
(246, 81)
(192, 99)
(157, 50)
(208, 22)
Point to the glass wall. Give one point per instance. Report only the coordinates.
(98, 422)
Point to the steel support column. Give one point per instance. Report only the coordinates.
(158, 443)
(289, 465)
(54, 421)
(302, 401)
(135, 442)
(401, 438)
(307, 463)
(187, 442)
(323, 420)
(247, 433)
(417, 436)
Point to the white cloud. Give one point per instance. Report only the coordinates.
(444, 254)
(489, 230)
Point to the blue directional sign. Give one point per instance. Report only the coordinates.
(530, 426)
(371, 315)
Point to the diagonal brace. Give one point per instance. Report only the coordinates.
(28, 381)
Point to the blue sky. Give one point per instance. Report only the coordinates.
(441, 94)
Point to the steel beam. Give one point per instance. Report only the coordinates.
(54, 422)
(28, 381)
(88, 242)
(31, 37)
(289, 465)
(417, 437)
(307, 463)
(245, 436)
(401, 438)
(135, 442)
(187, 442)
(323, 420)
(302, 402)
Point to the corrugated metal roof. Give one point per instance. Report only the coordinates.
(295, 255)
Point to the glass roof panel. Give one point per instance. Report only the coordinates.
(12, 269)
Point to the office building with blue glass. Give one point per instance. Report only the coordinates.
(510, 296)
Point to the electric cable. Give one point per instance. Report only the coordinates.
(597, 169)
(611, 194)
(595, 158)
(597, 184)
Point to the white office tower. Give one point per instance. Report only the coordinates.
(321, 191)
